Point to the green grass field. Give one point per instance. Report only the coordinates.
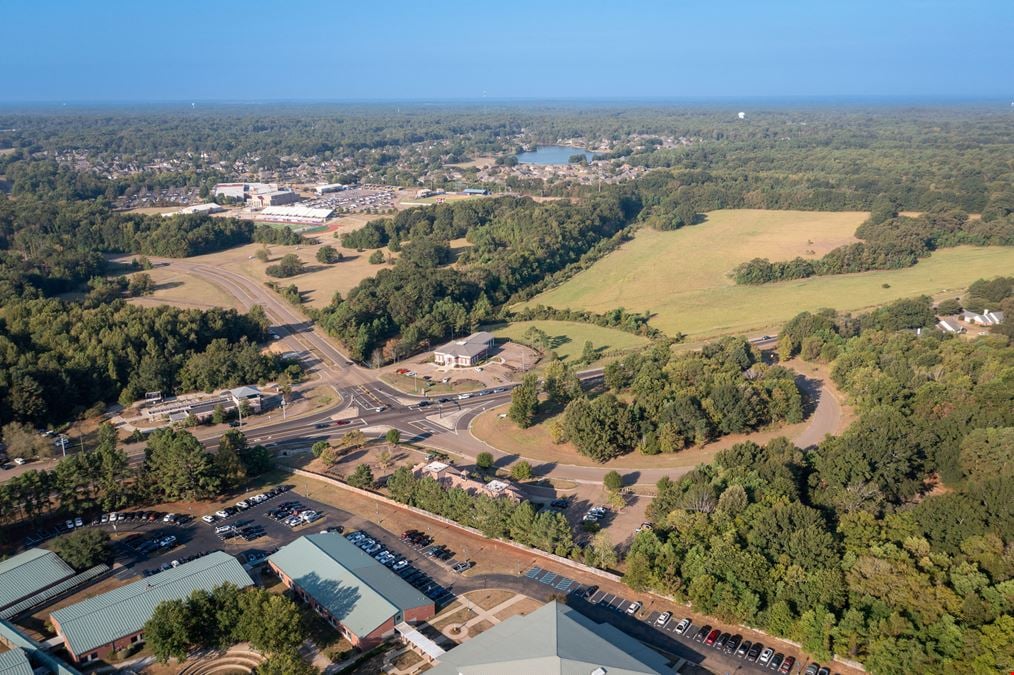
(568, 337)
(683, 276)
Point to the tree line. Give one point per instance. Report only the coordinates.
(658, 401)
(176, 467)
(515, 243)
(496, 518)
(851, 548)
(891, 243)
(59, 358)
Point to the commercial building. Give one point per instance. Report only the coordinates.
(475, 191)
(330, 187)
(29, 573)
(93, 628)
(551, 640)
(274, 198)
(296, 214)
(353, 592)
(178, 409)
(466, 351)
(196, 208)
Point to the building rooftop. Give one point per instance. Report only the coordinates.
(293, 211)
(29, 572)
(356, 589)
(552, 640)
(14, 662)
(473, 345)
(101, 619)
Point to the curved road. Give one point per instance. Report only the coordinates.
(444, 426)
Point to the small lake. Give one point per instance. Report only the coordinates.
(552, 154)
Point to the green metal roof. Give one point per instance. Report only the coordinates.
(552, 640)
(53, 591)
(15, 637)
(14, 662)
(104, 618)
(28, 573)
(356, 589)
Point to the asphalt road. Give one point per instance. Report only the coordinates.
(196, 537)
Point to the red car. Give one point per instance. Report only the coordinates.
(787, 664)
(712, 636)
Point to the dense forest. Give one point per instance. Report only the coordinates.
(516, 243)
(59, 358)
(890, 544)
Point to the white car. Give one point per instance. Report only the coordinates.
(19, 460)
(663, 619)
(401, 564)
(462, 397)
(632, 609)
(208, 518)
(766, 656)
(78, 522)
(113, 517)
(682, 626)
(169, 518)
(221, 514)
(69, 524)
(221, 529)
(242, 504)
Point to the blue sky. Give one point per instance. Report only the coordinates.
(103, 50)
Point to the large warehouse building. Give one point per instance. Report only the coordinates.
(353, 592)
(93, 628)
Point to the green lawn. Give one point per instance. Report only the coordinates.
(683, 276)
(568, 337)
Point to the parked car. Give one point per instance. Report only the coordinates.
(401, 564)
(78, 522)
(463, 566)
(209, 519)
(683, 626)
(776, 661)
(633, 608)
(722, 639)
(765, 656)
(712, 637)
(69, 524)
(222, 513)
(787, 664)
(663, 619)
(223, 528)
(243, 504)
(755, 651)
(702, 633)
(590, 591)
(744, 648)
(559, 503)
(104, 518)
(811, 669)
(732, 644)
(824, 671)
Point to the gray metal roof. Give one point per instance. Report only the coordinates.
(356, 589)
(28, 573)
(99, 620)
(14, 662)
(552, 640)
(473, 345)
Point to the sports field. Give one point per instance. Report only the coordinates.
(567, 338)
(683, 276)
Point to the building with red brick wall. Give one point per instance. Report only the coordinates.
(353, 592)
